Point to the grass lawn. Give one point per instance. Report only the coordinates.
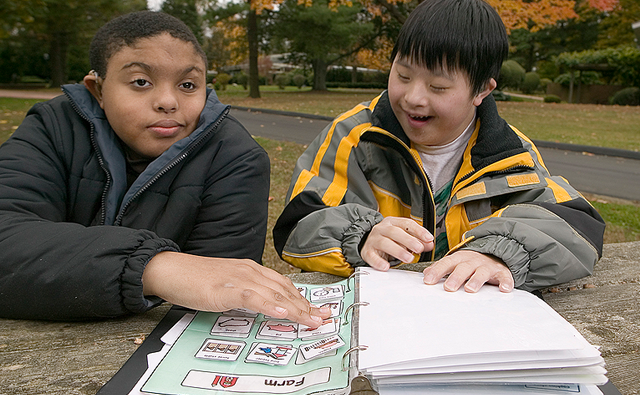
(609, 126)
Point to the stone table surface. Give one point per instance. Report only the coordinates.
(38, 357)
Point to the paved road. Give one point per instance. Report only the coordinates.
(598, 174)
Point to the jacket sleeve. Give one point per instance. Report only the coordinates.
(545, 237)
(51, 268)
(330, 204)
(232, 221)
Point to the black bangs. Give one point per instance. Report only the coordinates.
(455, 35)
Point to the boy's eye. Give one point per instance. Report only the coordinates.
(188, 85)
(140, 82)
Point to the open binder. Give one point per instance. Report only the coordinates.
(404, 336)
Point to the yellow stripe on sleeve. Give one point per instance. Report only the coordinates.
(306, 175)
(303, 179)
(335, 192)
(331, 261)
(559, 192)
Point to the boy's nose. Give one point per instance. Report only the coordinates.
(166, 101)
(416, 96)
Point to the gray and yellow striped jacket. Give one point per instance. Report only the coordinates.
(504, 202)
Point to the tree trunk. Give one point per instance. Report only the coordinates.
(252, 36)
(58, 58)
(319, 74)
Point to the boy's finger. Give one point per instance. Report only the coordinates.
(413, 228)
(272, 302)
(437, 270)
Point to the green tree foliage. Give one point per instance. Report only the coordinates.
(615, 29)
(592, 29)
(625, 62)
(60, 31)
(187, 12)
(320, 36)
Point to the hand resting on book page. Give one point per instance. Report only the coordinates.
(395, 238)
(473, 266)
(219, 284)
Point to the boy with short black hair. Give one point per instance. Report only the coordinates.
(137, 187)
(428, 171)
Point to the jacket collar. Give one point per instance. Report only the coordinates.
(496, 140)
(111, 152)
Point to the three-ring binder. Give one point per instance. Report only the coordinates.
(349, 351)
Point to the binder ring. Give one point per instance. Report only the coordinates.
(346, 312)
(349, 351)
(353, 275)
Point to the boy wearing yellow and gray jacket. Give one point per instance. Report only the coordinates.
(428, 171)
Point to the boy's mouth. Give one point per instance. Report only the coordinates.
(419, 118)
(165, 127)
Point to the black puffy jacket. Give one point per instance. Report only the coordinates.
(74, 241)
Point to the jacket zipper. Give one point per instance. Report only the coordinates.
(172, 164)
(103, 213)
(426, 191)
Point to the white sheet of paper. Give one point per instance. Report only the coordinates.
(417, 325)
(490, 390)
(154, 359)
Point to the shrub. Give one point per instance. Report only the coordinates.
(282, 80)
(626, 97)
(242, 79)
(511, 75)
(223, 80)
(544, 82)
(531, 82)
(299, 80)
(361, 85)
(552, 99)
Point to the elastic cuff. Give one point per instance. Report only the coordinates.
(512, 253)
(132, 293)
(352, 237)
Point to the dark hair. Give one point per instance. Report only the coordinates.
(125, 30)
(462, 35)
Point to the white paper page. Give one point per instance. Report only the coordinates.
(176, 330)
(487, 367)
(408, 320)
(154, 359)
(506, 360)
(488, 390)
(582, 379)
(596, 372)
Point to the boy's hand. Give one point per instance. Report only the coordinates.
(395, 237)
(473, 266)
(219, 284)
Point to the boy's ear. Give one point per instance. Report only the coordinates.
(491, 85)
(93, 83)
